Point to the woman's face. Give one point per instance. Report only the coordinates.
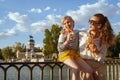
(94, 23)
(68, 25)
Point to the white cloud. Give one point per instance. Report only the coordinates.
(54, 19)
(118, 12)
(55, 10)
(7, 33)
(40, 26)
(21, 27)
(118, 4)
(116, 25)
(35, 10)
(15, 16)
(1, 21)
(47, 8)
(13, 31)
(82, 15)
(37, 45)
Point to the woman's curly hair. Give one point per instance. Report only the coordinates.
(106, 34)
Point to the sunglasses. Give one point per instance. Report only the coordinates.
(94, 22)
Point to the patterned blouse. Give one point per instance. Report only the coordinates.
(86, 54)
(72, 45)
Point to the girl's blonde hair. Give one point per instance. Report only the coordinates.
(106, 34)
(69, 18)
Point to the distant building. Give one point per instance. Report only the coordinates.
(32, 56)
(31, 43)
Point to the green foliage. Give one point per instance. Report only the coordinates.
(19, 46)
(1, 57)
(118, 42)
(37, 49)
(48, 44)
(50, 40)
(114, 50)
(7, 53)
(55, 30)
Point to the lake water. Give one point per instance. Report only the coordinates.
(25, 73)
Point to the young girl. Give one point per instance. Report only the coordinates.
(68, 47)
(94, 43)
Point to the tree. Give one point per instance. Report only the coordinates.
(117, 46)
(50, 40)
(8, 53)
(55, 30)
(1, 57)
(37, 49)
(48, 43)
(114, 50)
(19, 46)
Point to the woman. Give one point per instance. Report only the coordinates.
(94, 44)
(68, 47)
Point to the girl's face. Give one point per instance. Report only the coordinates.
(68, 25)
(94, 23)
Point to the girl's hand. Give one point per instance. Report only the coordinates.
(70, 36)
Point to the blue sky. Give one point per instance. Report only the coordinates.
(21, 18)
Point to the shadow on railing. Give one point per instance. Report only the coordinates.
(49, 70)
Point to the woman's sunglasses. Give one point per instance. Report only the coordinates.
(94, 22)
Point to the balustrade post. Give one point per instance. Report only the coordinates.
(41, 74)
(68, 73)
(51, 73)
(60, 74)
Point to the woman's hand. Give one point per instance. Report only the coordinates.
(93, 48)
